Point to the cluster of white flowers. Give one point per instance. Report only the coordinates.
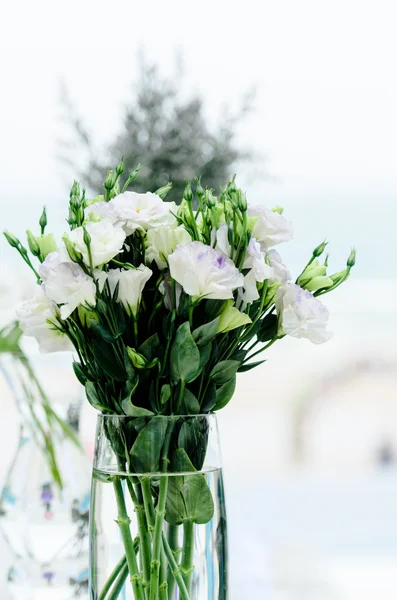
(202, 271)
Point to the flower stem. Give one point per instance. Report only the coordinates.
(124, 525)
(187, 566)
(160, 513)
(118, 586)
(117, 569)
(163, 584)
(173, 542)
(175, 569)
(144, 535)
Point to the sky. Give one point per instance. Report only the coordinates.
(325, 118)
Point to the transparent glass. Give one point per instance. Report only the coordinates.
(45, 527)
(157, 517)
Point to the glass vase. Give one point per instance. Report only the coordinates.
(157, 516)
(45, 527)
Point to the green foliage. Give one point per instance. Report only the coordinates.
(185, 356)
(164, 130)
(188, 496)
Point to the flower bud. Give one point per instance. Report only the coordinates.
(188, 194)
(319, 283)
(231, 186)
(163, 191)
(138, 360)
(120, 167)
(351, 261)
(315, 269)
(109, 181)
(86, 237)
(75, 256)
(241, 201)
(32, 243)
(43, 220)
(210, 199)
(199, 189)
(11, 239)
(320, 249)
(47, 244)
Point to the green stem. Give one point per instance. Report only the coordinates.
(261, 349)
(163, 584)
(118, 586)
(173, 542)
(160, 513)
(175, 569)
(145, 551)
(147, 501)
(124, 521)
(116, 571)
(187, 566)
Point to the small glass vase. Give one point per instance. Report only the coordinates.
(157, 516)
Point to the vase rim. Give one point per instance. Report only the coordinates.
(212, 414)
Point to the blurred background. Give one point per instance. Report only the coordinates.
(299, 99)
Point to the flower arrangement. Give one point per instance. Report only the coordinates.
(164, 305)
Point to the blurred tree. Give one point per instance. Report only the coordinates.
(165, 132)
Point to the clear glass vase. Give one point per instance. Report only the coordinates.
(45, 527)
(157, 517)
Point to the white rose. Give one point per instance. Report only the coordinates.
(280, 271)
(162, 241)
(142, 211)
(37, 318)
(203, 271)
(66, 283)
(270, 228)
(131, 283)
(301, 315)
(106, 241)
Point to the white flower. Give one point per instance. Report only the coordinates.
(99, 211)
(203, 271)
(255, 260)
(162, 241)
(142, 211)
(106, 241)
(280, 271)
(222, 240)
(37, 317)
(66, 283)
(301, 315)
(270, 228)
(167, 289)
(131, 283)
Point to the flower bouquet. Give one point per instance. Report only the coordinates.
(164, 305)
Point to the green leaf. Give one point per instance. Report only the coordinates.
(145, 453)
(225, 393)
(150, 347)
(107, 359)
(165, 393)
(91, 394)
(269, 328)
(209, 398)
(188, 496)
(193, 438)
(249, 366)
(224, 371)
(239, 355)
(134, 411)
(104, 332)
(79, 372)
(205, 355)
(185, 356)
(204, 334)
(190, 404)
